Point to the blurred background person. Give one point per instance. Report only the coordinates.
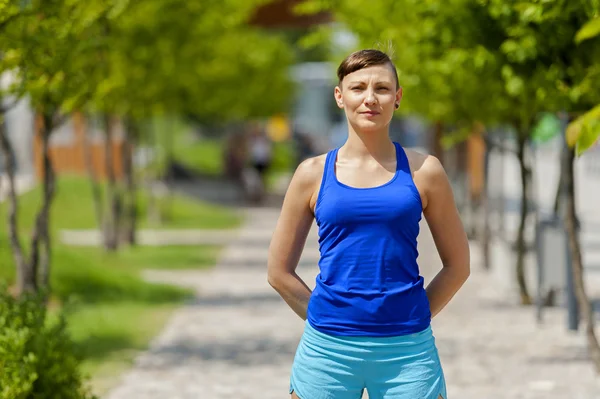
(260, 158)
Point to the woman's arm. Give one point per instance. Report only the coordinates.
(290, 235)
(448, 234)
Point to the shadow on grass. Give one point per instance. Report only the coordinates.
(94, 287)
(166, 257)
(83, 277)
(114, 333)
(101, 347)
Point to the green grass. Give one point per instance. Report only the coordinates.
(114, 312)
(72, 208)
(109, 337)
(205, 156)
(167, 257)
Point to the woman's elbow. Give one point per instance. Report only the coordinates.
(275, 279)
(461, 271)
(463, 264)
(464, 270)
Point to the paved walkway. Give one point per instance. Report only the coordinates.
(159, 237)
(237, 338)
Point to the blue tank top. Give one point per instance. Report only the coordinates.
(369, 282)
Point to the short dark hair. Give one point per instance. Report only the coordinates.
(364, 59)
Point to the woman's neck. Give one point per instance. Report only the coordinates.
(375, 144)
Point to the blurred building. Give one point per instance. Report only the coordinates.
(68, 151)
(78, 146)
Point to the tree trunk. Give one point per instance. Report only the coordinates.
(521, 244)
(478, 188)
(153, 211)
(81, 128)
(501, 200)
(25, 277)
(130, 188)
(585, 306)
(462, 192)
(40, 261)
(167, 207)
(558, 195)
(111, 223)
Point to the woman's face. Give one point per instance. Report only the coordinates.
(369, 97)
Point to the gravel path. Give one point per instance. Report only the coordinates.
(237, 338)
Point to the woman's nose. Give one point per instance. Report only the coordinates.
(370, 99)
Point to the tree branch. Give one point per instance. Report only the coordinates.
(493, 144)
(5, 108)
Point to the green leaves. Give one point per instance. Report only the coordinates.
(547, 127)
(190, 57)
(514, 83)
(41, 45)
(37, 357)
(589, 30)
(142, 57)
(589, 136)
(487, 60)
(584, 131)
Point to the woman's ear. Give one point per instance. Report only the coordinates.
(337, 93)
(399, 94)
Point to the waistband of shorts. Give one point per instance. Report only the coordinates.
(408, 341)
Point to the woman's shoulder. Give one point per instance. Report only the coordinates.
(306, 180)
(428, 174)
(310, 171)
(424, 164)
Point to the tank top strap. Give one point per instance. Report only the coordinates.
(401, 159)
(329, 168)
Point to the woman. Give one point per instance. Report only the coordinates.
(368, 319)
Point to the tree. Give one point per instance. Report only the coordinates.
(581, 134)
(165, 58)
(169, 57)
(132, 62)
(39, 49)
(574, 71)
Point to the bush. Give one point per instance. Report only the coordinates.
(37, 357)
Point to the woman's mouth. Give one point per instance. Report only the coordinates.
(370, 113)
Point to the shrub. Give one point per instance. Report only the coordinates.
(37, 357)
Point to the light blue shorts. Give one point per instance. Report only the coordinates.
(334, 367)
